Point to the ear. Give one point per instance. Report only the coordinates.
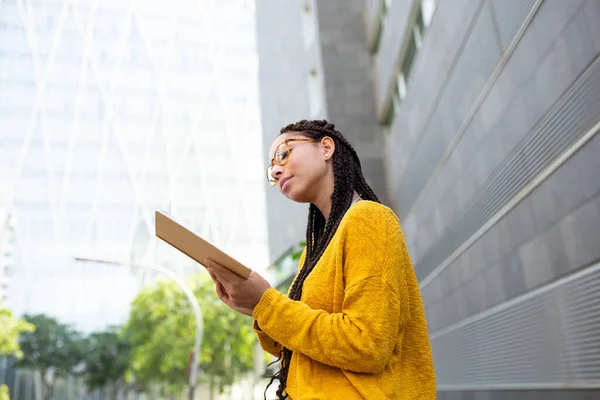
(328, 146)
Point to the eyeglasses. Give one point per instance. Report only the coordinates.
(282, 156)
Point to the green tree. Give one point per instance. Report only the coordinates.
(161, 328)
(107, 360)
(10, 330)
(4, 392)
(227, 349)
(53, 349)
(298, 253)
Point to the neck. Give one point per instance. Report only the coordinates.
(323, 202)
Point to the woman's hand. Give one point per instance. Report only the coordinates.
(225, 297)
(240, 294)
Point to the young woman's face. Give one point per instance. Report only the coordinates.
(305, 165)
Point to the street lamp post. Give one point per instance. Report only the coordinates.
(193, 301)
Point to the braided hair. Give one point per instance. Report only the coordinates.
(348, 178)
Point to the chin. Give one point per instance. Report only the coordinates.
(299, 196)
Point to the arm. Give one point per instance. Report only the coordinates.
(375, 309)
(266, 342)
(348, 340)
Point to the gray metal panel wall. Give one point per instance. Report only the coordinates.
(545, 339)
(513, 104)
(433, 67)
(467, 82)
(571, 117)
(494, 166)
(521, 395)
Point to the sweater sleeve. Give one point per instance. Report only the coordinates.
(267, 343)
(363, 336)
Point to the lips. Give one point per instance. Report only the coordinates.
(284, 183)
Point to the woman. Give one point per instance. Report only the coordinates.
(353, 325)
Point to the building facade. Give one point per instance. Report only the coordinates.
(487, 113)
(314, 64)
(7, 242)
(108, 111)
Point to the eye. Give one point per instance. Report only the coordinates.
(281, 155)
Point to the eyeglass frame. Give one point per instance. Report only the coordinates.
(273, 183)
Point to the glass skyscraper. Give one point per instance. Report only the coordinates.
(110, 110)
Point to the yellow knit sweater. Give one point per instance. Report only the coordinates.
(359, 330)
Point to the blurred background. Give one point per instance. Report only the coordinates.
(475, 120)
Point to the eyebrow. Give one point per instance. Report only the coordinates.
(271, 158)
(293, 137)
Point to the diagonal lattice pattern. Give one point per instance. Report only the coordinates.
(109, 110)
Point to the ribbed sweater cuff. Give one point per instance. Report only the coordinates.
(263, 308)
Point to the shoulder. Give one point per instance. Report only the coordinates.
(370, 213)
(372, 243)
(369, 219)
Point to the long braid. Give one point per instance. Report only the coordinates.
(348, 177)
(363, 187)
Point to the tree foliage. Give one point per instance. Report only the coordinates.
(227, 349)
(54, 349)
(151, 351)
(162, 328)
(107, 360)
(298, 253)
(10, 330)
(4, 392)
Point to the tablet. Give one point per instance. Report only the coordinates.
(192, 245)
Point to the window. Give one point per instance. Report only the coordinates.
(427, 9)
(409, 57)
(416, 31)
(401, 87)
(419, 22)
(375, 48)
(390, 116)
(383, 12)
(397, 97)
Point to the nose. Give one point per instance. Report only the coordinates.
(276, 171)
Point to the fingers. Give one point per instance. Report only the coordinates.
(217, 280)
(222, 273)
(221, 291)
(223, 294)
